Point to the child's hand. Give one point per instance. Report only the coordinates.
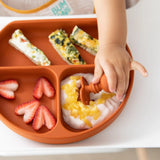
(116, 63)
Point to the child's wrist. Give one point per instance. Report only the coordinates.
(111, 45)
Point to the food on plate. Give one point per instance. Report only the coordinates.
(39, 114)
(79, 116)
(43, 117)
(33, 111)
(62, 44)
(7, 88)
(27, 109)
(84, 40)
(21, 43)
(43, 86)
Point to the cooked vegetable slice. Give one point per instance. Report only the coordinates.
(62, 44)
(84, 40)
(21, 43)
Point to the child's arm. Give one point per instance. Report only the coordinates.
(112, 57)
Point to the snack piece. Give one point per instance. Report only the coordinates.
(43, 86)
(21, 43)
(84, 40)
(62, 44)
(27, 109)
(7, 88)
(79, 116)
(43, 117)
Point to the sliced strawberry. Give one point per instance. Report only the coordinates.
(27, 109)
(43, 117)
(38, 121)
(43, 86)
(11, 85)
(50, 121)
(38, 89)
(7, 93)
(48, 89)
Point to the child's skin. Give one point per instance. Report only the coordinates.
(112, 57)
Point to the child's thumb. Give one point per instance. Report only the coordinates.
(98, 71)
(136, 65)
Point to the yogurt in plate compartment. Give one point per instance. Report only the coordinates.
(80, 116)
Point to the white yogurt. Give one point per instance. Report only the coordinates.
(107, 108)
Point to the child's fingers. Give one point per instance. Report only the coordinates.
(98, 71)
(136, 65)
(111, 76)
(127, 72)
(121, 85)
(127, 75)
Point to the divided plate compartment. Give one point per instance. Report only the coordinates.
(14, 65)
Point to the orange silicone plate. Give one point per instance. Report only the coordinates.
(14, 65)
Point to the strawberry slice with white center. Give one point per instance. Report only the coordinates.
(7, 94)
(7, 88)
(48, 88)
(38, 90)
(11, 85)
(27, 109)
(43, 86)
(43, 117)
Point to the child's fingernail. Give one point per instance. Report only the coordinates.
(94, 80)
(112, 89)
(119, 97)
(145, 74)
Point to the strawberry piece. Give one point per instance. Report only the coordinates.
(43, 86)
(43, 117)
(27, 109)
(48, 88)
(38, 90)
(7, 93)
(11, 85)
(7, 87)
